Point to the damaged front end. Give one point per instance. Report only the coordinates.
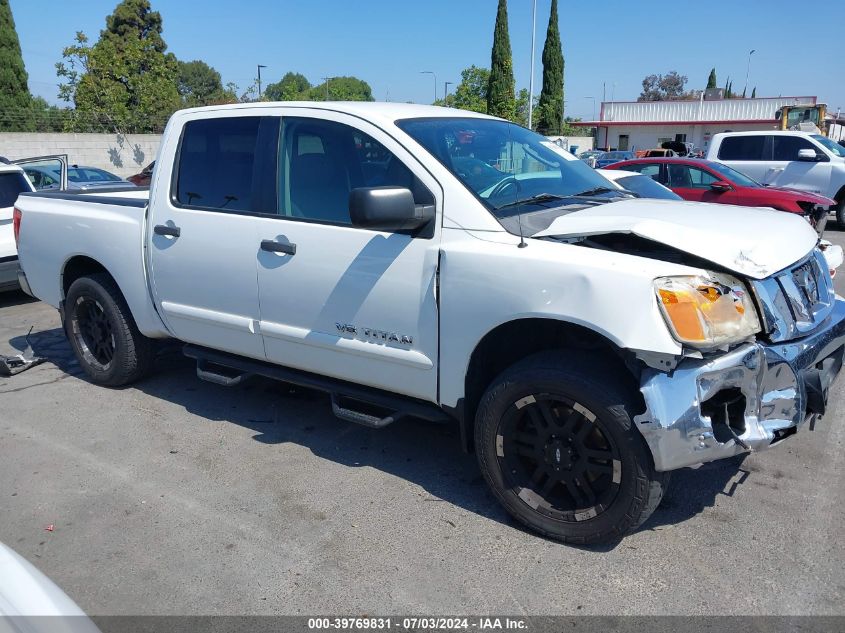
(760, 392)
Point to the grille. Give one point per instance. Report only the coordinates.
(797, 300)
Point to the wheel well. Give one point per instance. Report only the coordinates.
(511, 342)
(80, 266)
(840, 195)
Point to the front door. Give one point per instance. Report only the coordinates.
(204, 241)
(787, 171)
(352, 303)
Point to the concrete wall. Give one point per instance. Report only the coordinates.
(583, 143)
(119, 155)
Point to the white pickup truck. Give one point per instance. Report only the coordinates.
(422, 261)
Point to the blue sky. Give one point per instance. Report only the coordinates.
(388, 42)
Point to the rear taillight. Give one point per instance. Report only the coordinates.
(16, 225)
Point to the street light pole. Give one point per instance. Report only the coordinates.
(446, 85)
(748, 70)
(259, 80)
(531, 79)
(429, 72)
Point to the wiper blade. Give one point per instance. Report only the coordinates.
(540, 197)
(595, 191)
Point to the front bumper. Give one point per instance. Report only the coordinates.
(747, 399)
(9, 273)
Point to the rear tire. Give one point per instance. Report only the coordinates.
(567, 476)
(103, 334)
(840, 214)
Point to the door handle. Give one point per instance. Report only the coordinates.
(163, 229)
(273, 246)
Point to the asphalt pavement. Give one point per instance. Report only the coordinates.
(177, 496)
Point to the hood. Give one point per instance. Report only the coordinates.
(751, 242)
(804, 195)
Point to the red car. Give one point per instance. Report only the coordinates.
(708, 181)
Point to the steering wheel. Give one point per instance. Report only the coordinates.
(502, 185)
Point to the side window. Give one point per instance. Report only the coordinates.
(742, 147)
(321, 162)
(690, 177)
(11, 184)
(215, 163)
(786, 147)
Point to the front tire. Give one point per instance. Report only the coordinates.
(840, 214)
(556, 443)
(103, 334)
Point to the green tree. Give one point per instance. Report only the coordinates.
(291, 87)
(471, 92)
(711, 80)
(550, 107)
(341, 89)
(500, 90)
(15, 100)
(201, 85)
(668, 87)
(126, 82)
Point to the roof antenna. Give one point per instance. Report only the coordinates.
(522, 243)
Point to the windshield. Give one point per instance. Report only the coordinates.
(738, 178)
(90, 174)
(509, 168)
(646, 187)
(834, 148)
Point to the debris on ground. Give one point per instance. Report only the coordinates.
(11, 365)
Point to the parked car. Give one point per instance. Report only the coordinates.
(635, 182)
(708, 181)
(798, 160)
(584, 342)
(79, 178)
(590, 156)
(608, 158)
(142, 178)
(655, 153)
(12, 183)
(29, 601)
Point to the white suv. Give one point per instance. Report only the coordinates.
(798, 160)
(12, 182)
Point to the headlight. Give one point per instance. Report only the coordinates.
(707, 311)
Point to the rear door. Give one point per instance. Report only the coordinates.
(352, 303)
(203, 241)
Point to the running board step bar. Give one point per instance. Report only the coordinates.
(219, 374)
(360, 417)
(350, 401)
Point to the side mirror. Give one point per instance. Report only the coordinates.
(720, 186)
(387, 209)
(808, 155)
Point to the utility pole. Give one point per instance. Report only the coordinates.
(429, 72)
(446, 85)
(259, 81)
(748, 70)
(326, 79)
(531, 79)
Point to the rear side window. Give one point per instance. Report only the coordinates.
(11, 184)
(742, 148)
(216, 161)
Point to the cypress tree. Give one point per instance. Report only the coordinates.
(501, 97)
(754, 93)
(15, 100)
(550, 106)
(711, 80)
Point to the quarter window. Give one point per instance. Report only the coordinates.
(742, 148)
(216, 163)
